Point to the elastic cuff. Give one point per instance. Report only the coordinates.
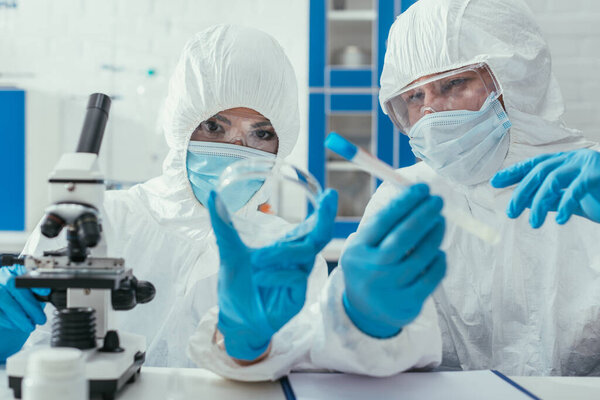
(370, 327)
(243, 342)
(240, 349)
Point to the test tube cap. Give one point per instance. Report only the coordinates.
(341, 146)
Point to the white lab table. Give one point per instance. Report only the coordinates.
(561, 387)
(180, 383)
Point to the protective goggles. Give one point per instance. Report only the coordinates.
(239, 126)
(464, 88)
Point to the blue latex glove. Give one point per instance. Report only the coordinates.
(260, 290)
(568, 183)
(394, 263)
(20, 311)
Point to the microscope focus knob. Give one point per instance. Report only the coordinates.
(111, 343)
(145, 292)
(74, 327)
(123, 298)
(132, 292)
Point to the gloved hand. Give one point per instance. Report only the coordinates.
(260, 290)
(20, 311)
(568, 183)
(394, 263)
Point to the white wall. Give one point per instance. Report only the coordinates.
(61, 51)
(572, 28)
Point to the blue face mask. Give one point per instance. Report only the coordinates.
(207, 160)
(467, 147)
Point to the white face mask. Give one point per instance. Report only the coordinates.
(467, 147)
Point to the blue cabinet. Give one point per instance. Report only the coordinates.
(12, 173)
(347, 47)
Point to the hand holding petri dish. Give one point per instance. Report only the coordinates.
(285, 196)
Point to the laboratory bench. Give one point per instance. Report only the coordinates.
(181, 383)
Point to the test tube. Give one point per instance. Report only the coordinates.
(374, 166)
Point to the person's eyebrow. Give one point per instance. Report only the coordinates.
(222, 119)
(263, 123)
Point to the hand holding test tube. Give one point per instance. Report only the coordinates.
(371, 164)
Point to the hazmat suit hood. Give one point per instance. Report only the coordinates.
(433, 36)
(220, 68)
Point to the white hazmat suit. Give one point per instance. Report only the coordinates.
(164, 234)
(529, 305)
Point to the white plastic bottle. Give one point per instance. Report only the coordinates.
(56, 373)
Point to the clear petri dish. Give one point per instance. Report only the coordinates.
(283, 200)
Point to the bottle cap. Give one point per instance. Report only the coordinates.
(58, 362)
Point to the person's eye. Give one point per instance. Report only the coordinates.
(453, 84)
(265, 135)
(413, 97)
(211, 126)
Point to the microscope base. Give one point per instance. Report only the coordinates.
(107, 373)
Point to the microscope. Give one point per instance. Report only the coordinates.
(85, 289)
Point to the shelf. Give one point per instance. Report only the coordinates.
(360, 113)
(350, 77)
(344, 68)
(358, 67)
(352, 102)
(352, 15)
(354, 188)
(347, 43)
(342, 166)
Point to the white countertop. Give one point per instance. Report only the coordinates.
(181, 383)
(561, 387)
(188, 383)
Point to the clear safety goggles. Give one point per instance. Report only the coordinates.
(464, 88)
(239, 126)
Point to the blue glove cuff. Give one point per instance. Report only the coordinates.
(376, 329)
(241, 342)
(239, 348)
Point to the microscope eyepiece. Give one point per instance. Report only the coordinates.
(99, 101)
(94, 124)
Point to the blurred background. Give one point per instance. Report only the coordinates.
(53, 54)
